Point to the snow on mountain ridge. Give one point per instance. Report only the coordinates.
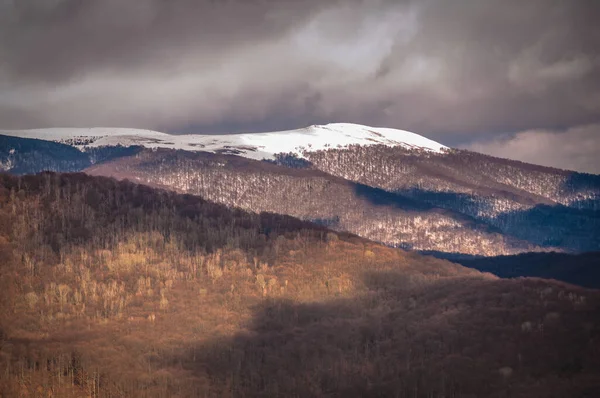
(251, 145)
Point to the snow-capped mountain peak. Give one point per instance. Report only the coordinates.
(251, 145)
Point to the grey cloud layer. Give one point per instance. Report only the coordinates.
(446, 69)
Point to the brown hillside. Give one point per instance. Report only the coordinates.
(111, 289)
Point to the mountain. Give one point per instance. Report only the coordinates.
(314, 196)
(544, 206)
(111, 288)
(251, 145)
(388, 185)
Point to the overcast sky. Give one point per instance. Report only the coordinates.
(512, 78)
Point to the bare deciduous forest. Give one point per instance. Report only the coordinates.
(113, 289)
(314, 195)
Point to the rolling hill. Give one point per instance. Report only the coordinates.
(112, 288)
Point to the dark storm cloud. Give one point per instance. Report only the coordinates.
(447, 69)
(57, 40)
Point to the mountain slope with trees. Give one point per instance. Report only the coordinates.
(29, 156)
(443, 200)
(112, 288)
(530, 208)
(315, 196)
(541, 205)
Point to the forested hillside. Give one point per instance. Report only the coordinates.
(315, 196)
(396, 196)
(544, 206)
(29, 156)
(452, 201)
(461, 172)
(115, 289)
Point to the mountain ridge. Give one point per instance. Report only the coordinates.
(252, 145)
(371, 189)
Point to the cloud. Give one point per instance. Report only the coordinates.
(574, 149)
(449, 70)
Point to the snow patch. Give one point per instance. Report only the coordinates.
(251, 145)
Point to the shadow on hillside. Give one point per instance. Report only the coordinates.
(578, 269)
(406, 337)
(380, 197)
(31, 156)
(554, 226)
(581, 181)
(575, 227)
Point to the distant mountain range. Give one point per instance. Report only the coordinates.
(387, 185)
